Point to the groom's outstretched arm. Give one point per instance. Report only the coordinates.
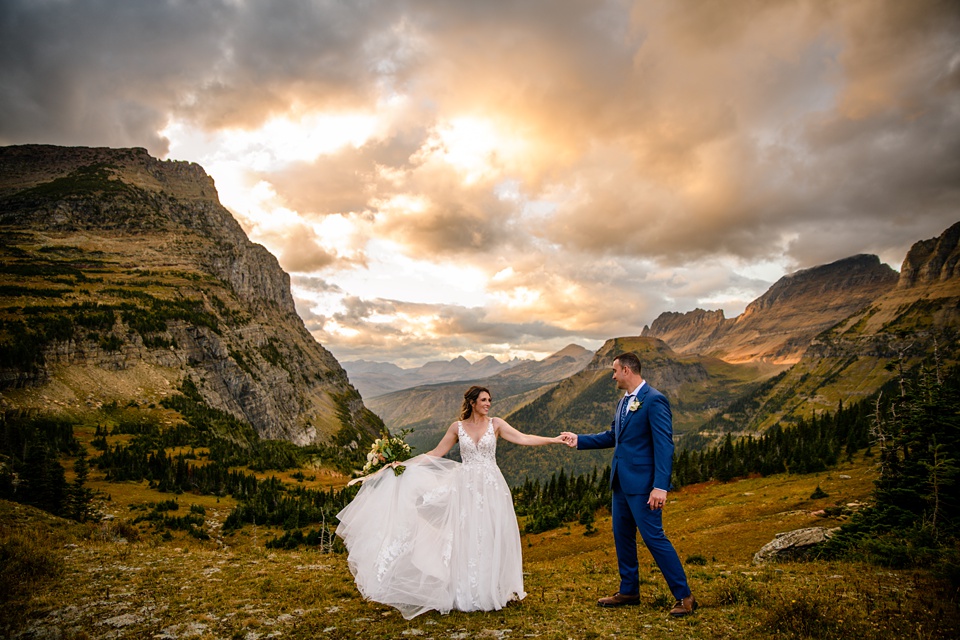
(603, 440)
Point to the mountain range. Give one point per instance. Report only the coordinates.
(122, 276)
(778, 326)
(429, 409)
(374, 379)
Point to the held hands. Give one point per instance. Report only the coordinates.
(569, 439)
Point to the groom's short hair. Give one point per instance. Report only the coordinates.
(630, 360)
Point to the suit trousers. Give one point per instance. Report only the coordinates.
(631, 512)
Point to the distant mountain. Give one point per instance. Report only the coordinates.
(429, 409)
(562, 364)
(778, 326)
(374, 379)
(122, 275)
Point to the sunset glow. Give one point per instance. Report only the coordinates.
(508, 178)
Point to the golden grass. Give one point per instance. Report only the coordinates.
(235, 588)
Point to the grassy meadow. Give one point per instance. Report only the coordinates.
(112, 579)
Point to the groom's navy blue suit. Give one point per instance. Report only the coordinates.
(642, 460)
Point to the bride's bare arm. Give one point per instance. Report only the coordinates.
(510, 434)
(446, 442)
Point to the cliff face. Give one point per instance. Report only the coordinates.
(122, 274)
(925, 305)
(932, 261)
(691, 332)
(778, 326)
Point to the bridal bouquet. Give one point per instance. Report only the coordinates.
(385, 450)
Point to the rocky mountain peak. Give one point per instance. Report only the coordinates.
(693, 329)
(72, 189)
(931, 261)
(778, 326)
(855, 276)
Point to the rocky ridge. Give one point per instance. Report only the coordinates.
(932, 261)
(153, 281)
(916, 321)
(778, 326)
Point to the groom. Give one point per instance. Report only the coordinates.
(642, 439)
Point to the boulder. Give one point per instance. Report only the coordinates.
(792, 545)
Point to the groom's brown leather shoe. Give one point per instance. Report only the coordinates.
(684, 607)
(618, 600)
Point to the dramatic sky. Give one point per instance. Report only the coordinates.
(467, 177)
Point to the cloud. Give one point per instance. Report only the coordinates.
(597, 163)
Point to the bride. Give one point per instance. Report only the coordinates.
(443, 535)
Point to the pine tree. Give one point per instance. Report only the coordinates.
(80, 498)
(916, 508)
(44, 483)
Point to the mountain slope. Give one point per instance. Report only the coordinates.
(778, 326)
(121, 275)
(913, 321)
(374, 379)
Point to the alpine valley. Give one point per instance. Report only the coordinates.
(122, 279)
(818, 339)
(175, 445)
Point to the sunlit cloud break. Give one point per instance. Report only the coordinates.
(507, 178)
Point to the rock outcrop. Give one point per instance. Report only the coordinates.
(931, 261)
(793, 545)
(691, 332)
(123, 274)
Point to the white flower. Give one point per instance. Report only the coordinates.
(636, 404)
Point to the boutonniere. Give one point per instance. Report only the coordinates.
(636, 404)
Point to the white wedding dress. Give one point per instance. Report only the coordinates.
(441, 536)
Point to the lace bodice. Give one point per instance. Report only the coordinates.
(484, 451)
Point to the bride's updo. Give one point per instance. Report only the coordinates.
(469, 399)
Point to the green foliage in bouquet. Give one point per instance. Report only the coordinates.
(388, 449)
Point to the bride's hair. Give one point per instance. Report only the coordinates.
(469, 398)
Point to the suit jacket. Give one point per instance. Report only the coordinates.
(643, 448)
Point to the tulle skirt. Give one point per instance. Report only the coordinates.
(441, 536)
